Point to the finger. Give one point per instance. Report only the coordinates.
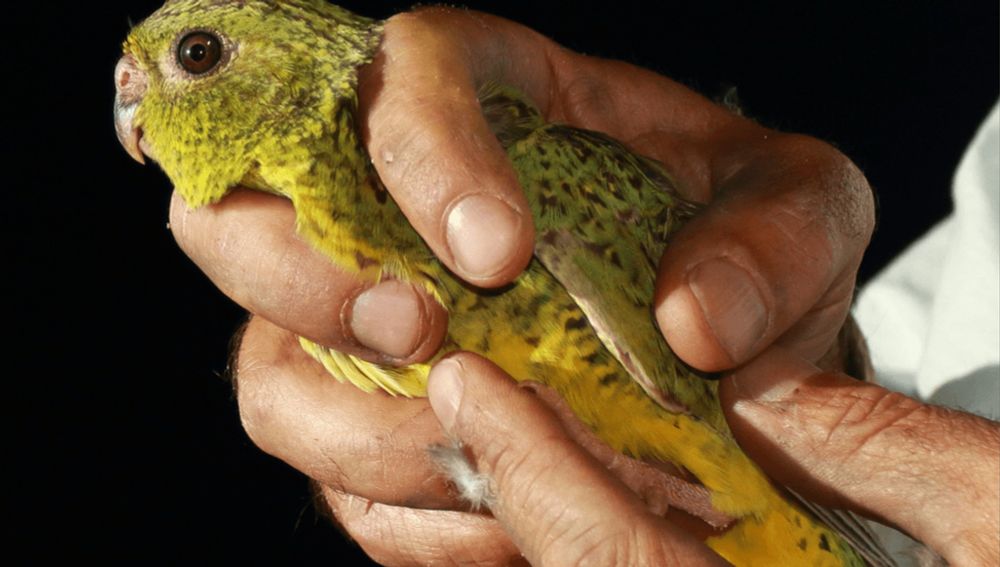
(371, 445)
(559, 505)
(660, 485)
(773, 257)
(433, 149)
(929, 470)
(395, 535)
(248, 247)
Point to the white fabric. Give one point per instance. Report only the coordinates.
(932, 317)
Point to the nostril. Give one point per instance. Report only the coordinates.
(130, 80)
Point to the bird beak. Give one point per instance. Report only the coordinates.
(130, 86)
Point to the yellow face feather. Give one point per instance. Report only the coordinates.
(283, 69)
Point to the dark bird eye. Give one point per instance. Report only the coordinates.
(199, 52)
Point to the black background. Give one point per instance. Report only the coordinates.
(126, 443)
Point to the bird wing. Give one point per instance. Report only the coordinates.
(603, 216)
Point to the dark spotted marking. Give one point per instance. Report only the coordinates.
(824, 543)
(314, 227)
(364, 261)
(628, 216)
(536, 304)
(597, 248)
(478, 304)
(533, 341)
(577, 141)
(547, 201)
(575, 323)
(594, 197)
(609, 379)
(381, 195)
(802, 543)
(484, 343)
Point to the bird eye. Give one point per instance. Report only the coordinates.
(199, 52)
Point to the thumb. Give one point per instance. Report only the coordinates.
(844, 443)
(559, 505)
(771, 259)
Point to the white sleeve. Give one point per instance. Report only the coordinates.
(932, 317)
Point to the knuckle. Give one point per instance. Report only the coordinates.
(868, 423)
(260, 396)
(975, 546)
(394, 535)
(585, 98)
(516, 469)
(179, 216)
(500, 459)
(832, 193)
(804, 235)
(257, 411)
(598, 544)
(591, 545)
(851, 201)
(252, 374)
(366, 523)
(646, 546)
(846, 196)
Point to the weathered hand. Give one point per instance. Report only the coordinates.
(772, 259)
(931, 471)
(557, 504)
(779, 245)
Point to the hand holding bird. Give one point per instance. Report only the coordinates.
(697, 278)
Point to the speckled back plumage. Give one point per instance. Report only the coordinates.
(278, 115)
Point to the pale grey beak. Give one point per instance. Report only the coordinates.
(130, 86)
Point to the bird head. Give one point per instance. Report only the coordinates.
(206, 88)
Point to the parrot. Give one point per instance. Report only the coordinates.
(263, 94)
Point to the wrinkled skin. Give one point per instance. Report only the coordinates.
(788, 215)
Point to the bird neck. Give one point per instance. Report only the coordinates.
(341, 207)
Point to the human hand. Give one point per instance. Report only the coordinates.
(557, 503)
(773, 258)
(778, 202)
(928, 470)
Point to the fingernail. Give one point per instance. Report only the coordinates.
(444, 390)
(482, 235)
(732, 305)
(389, 318)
